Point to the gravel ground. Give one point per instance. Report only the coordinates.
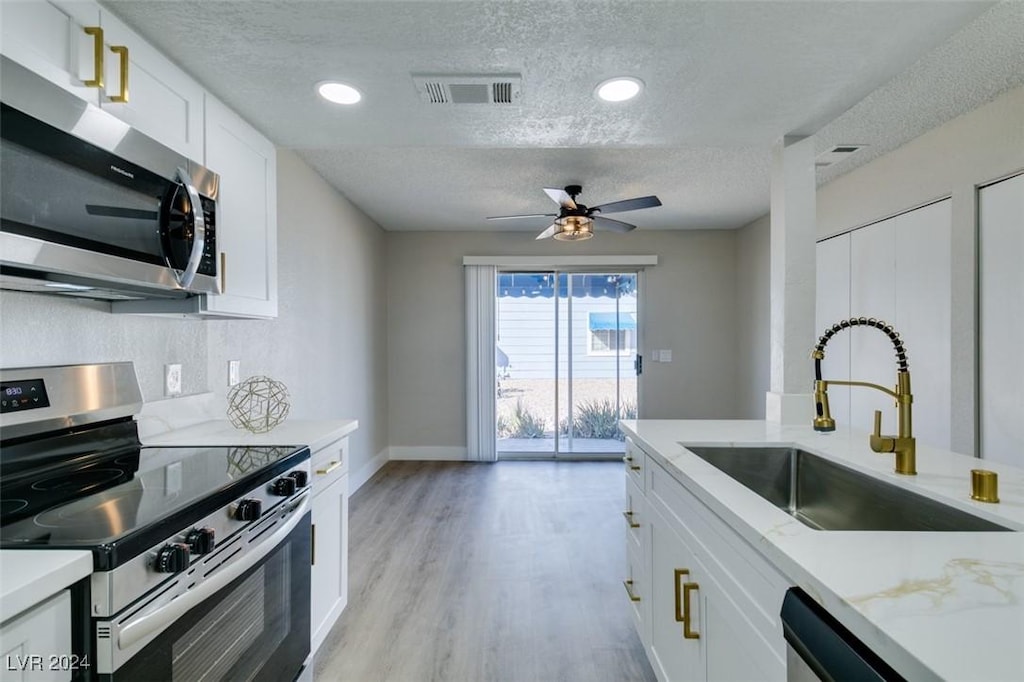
(538, 395)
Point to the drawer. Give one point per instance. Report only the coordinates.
(635, 461)
(329, 463)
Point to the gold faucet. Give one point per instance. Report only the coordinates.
(903, 444)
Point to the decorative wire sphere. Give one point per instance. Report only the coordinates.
(258, 404)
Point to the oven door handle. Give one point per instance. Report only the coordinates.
(164, 616)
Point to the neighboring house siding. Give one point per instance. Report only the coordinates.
(526, 334)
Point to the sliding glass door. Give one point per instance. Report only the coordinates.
(566, 362)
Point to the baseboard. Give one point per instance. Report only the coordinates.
(455, 453)
(358, 478)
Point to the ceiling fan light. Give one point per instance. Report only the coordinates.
(619, 89)
(575, 228)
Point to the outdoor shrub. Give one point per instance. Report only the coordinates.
(526, 424)
(504, 427)
(599, 419)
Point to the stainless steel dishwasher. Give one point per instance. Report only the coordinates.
(818, 647)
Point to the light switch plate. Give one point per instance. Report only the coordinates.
(172, 379)
(234, 369)
(665, 355)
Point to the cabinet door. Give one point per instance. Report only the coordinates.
(872, 285)
(329, 588)
(32, 638)
(163, 102)
(832, 304)
(49, 39)
(246, 214)
(673, 656)
(923, 294)
(1001, 252)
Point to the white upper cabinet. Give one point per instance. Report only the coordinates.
(162, 100)
(50, 39)
(246, 214)
(92, 54)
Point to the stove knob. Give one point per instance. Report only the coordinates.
(301, 478)
(283, 486)
(172, 558)
(248, 510)
(201, 540)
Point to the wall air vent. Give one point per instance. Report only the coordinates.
(836, 154)
(503, 88)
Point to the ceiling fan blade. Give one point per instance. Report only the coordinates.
(628, 204)
(613, 225)
(560, 197)
(548, 232)
(516, 217)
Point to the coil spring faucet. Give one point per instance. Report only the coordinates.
(903, 444)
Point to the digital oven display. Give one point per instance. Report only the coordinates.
(29, 394)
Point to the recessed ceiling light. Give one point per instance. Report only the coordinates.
(339, 93)
(619, 89)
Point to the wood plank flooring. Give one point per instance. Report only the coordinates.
(507, 572)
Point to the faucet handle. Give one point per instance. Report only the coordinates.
(880, 443)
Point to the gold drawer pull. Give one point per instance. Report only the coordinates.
(629, 519)
(628, 584)
(331, 467)
(629, 460)
(687, 632)
(122, 96)
(97, 56)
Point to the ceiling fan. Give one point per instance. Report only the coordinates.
(576, 222)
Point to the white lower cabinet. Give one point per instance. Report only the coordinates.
(329, 580)
(713, 606)
(36, 645)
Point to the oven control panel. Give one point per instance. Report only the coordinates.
(27, 394)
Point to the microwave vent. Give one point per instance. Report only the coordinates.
(500, 89)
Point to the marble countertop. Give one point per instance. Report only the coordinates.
(934, 605)
(315, 434)
(29, 576)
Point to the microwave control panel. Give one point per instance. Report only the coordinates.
(208, 264)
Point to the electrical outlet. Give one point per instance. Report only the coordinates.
(172, 379)
(233, 371)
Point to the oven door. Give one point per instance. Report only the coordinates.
(250, 623)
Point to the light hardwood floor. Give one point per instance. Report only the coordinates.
(464, 572)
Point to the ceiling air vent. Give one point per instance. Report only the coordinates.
(472, 89)
(837, 154)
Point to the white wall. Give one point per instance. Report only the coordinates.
(687, 305)
(327, 345)
(753, 313)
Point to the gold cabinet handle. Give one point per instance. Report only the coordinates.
(680, 616)
(97, 56)
(223, 272)
(312, 544)
(629, 519)
(628, 584)
(687, 632)
(333, 465)
(122, 96)
(629, 461)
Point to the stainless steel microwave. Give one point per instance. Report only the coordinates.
(93, 208)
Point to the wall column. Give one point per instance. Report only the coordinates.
(793, 237)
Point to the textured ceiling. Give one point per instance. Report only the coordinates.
(725, 80)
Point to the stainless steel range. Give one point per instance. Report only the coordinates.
(201, 556)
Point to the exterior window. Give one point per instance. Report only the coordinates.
(612, 342)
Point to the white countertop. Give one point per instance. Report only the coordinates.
(315, 434)
(29, 576)
(932, 604)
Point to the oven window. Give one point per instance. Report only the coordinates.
(256, 628)
(213, 648)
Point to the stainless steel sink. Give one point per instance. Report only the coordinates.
(826, 496)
